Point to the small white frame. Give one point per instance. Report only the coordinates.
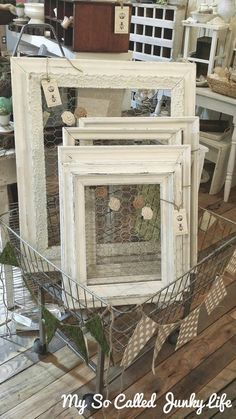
(89, 165)
(167, 130)
(27, 75)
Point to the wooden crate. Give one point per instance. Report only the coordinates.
(156, 32)
(93, 27)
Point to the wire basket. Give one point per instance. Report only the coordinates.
(217, 244)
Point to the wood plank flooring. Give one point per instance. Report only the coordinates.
(31, 385)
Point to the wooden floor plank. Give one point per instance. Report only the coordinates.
(221, 380)
(31, 381)
(197, 378)
(25, 360)
(12, 346)
(230, 391)
(141, 368)
(205, 200)
(33, 406)
(72, 413)
(231, 214)
(172, 370)
(227, 414)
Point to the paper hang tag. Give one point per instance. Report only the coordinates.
(180, 222)
(121, 19)
(51, 93)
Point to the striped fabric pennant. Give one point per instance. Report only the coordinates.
(188, 328)
(216, 294)
(163, 332)
(144, 330)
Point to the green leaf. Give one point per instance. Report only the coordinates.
(95, 327)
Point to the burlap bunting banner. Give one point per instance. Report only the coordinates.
(216, 294)
(144, 330)
(163, 332)
(231, 267)
(188, 328)
(146, 327)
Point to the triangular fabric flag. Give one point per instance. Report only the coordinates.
(74, 333)
(188, 328)
(8, 257)
(216, 294)
(95, 327)
(164, 331)
(231, 267)
(51, 324)
(144, 330)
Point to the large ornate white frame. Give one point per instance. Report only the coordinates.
(27, 74)
(167, 130)
(83, 166)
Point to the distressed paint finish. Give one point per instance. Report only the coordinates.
(83, 166)
(26, 79)
(167, 130)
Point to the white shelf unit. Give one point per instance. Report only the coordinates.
(218, 34)
(156, 32)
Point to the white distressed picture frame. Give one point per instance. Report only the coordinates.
(89, 165)
(166, 130)
(27, 75)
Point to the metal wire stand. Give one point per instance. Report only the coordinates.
(217, 243)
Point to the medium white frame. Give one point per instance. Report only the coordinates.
(101, 165)
(167, 130)
(86, 137)
(27, 75)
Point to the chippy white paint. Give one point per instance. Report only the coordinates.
(86, 166)
(165, 130)
(27, 75)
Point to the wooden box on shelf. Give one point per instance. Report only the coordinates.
(93, 25)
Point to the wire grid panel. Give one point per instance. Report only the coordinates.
(217, 243)
(53, 124)
(38, 272)
(156, 32)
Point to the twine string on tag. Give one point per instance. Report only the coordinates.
(47, 73)
(177, 207)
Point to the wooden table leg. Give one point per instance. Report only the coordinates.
(8, 270)
(231, 164)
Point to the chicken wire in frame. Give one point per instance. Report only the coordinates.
(122, 240)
